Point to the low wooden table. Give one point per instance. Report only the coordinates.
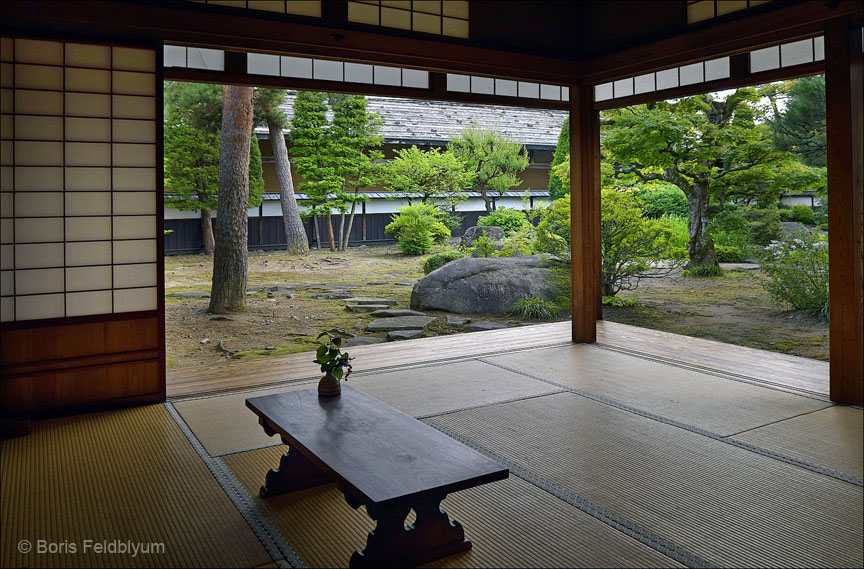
(380, 458)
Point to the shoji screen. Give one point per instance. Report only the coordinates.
(79, 179)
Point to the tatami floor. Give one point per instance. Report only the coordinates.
(617, 458)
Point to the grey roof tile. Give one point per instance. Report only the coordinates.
(411, 121)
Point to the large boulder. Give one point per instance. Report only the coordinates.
(489, 285)
(492, 232)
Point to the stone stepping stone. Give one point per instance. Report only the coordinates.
(371, 300)
(192, 294)
(485, 325)
(399, 323)
(406, 283)
(403, 334)
(457, 320)
(365, 307)
(392, 312)
(333, 295)
(378, 282)
(362, 341)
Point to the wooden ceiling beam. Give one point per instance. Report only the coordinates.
(785, 24)
(191, 25)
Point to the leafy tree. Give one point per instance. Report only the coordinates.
(800, 126)
(694, 143)
(315, 158)
(494, 159)
(267, 103)
(192, 173)
(632, 245)
(193, 114)
(228, 292)
(431, 174)
(557, 189)
(355, 143)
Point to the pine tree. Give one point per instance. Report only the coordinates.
(557, 189)
(193, 115)
(315, 159)
(228, 292)
(355, 139)
(494, 160)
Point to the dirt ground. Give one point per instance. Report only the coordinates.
(734, 308)
(289, 320)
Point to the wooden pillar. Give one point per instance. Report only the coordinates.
(844, 83)
(584, 212)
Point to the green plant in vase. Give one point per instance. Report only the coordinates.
(335, 364)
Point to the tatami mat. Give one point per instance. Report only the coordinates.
(725, 504)
(120, 476)
(223, 423)
(511, 524)
(720, 405)
(832, 437)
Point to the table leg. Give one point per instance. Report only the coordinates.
(392, 544)
(295, 472)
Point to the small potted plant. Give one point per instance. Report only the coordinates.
(335, 364)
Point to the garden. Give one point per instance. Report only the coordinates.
(695, 236)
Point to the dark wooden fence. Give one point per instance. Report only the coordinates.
(269, 233)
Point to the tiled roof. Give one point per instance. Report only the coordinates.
(411, 121)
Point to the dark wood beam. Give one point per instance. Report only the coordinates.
(844, 94)
(733, 82)
(584, 213)
(790, 23)
(191, 24)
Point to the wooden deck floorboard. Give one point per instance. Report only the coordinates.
(758, 365)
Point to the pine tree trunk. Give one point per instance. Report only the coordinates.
(350, 223)
(700, 247)
(295, 233)
(207, 231)
(228, 292)
(317, 233)
(330, 235)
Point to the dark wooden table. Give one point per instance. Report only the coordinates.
(380, 458)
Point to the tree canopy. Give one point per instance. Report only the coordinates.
(493, 158)
(706, 146)
(800, 126)
(431, 174)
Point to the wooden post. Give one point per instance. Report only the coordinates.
(584, 213)
(844, 102)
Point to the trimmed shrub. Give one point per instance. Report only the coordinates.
(510, 220)
(417, 227)
(415, 240)
(798, 271)
(802, 214)
(660, 202)
(440, 259)
(729, 254)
